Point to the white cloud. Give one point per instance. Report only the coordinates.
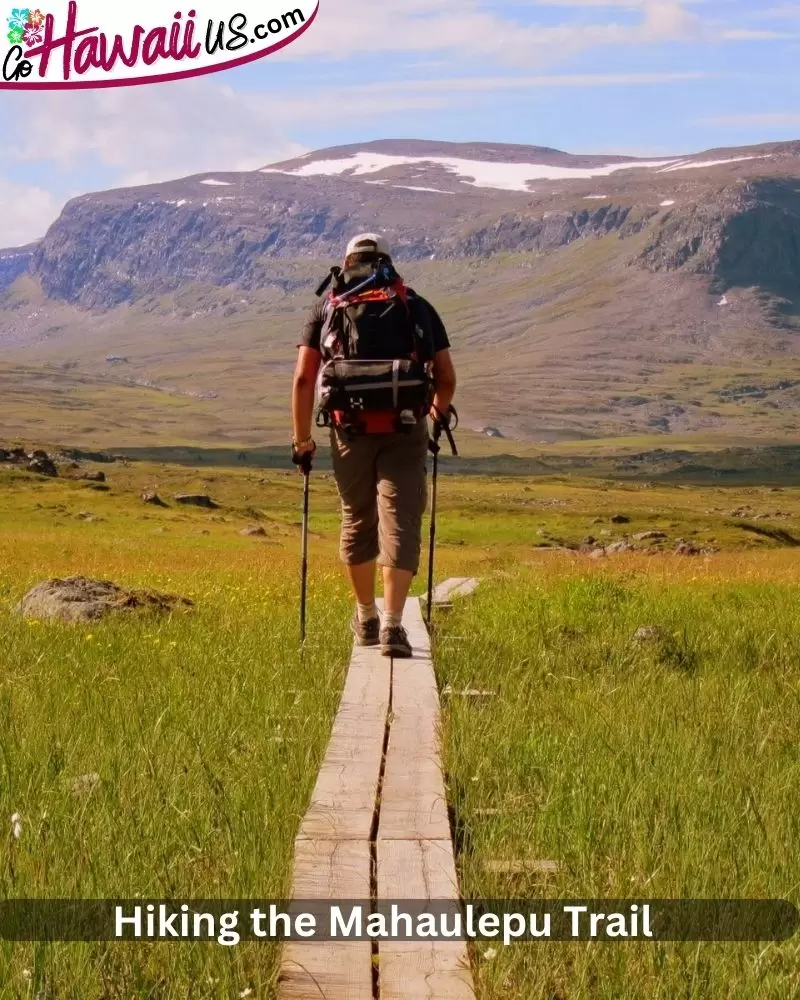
(786, 12)
(148, 134)
(770, 119)
(471, 27)
(25, 212)
(754, 35)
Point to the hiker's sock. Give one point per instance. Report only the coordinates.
(392, 619)
(367, 612)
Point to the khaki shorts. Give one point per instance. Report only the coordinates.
(382, 482)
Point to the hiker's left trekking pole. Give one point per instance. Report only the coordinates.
(304, 463)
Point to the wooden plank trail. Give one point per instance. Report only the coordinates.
(378, 829)
(457, 586)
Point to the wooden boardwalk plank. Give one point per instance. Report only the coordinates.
(456, 586)
(333, 970)
(421, 970)
(414, 851)
(343, 802)
(414, 804)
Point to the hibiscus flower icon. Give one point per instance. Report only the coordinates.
(20, 17)
(33, 34)
(36, 18)
(15, 36)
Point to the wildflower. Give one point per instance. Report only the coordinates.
(90, 638)
(246, 993)
(489, 954)
(16, 826)
(26, 975)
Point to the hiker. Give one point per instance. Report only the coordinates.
(381, 357)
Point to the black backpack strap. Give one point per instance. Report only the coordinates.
(420, 317)
(334, 275)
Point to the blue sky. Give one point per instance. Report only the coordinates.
(629, 76)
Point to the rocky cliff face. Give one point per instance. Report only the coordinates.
(14, 263)
(733, 215)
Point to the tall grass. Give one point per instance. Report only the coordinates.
(658, 767)
(160, 758)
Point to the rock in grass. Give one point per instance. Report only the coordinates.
(43, 466)
(93, 477)
(617, 547)
(196, 500)
(650, 536)
(78, 599)
(84, 784)
(154, 499)
(620, 519)
(253, 531)
(686, 549)
(649, 633)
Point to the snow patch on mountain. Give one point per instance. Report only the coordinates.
(477, 173)
(710, 163)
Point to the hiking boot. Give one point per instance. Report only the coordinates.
(394, 642)
(366, 633)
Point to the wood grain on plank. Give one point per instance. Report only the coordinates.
(457, 586)
(413, 803)
(343, 801)
(333, 970)
(431, 969)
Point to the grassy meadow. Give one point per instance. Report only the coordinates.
(174, 757)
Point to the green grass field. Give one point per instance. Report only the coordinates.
(660, 768)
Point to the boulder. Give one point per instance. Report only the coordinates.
(93, 477)
(649, 633)
(196, 500)
(154, 499)
(650, 536)
(43, 467)
(617, 547)
(85, 784)
(78, 599)
(620, 519)
(686, 549)
(253, 531)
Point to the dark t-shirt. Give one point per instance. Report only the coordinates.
(315, 320)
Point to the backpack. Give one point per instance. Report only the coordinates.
(377, 349)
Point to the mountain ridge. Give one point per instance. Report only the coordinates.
(644, 299)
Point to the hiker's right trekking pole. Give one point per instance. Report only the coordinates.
(442, 424)
(434, 448)
(304, 463)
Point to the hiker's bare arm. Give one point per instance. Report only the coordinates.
(303, 389)
(444, 378)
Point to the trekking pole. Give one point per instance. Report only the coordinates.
(434, 448)
(304, 462)
(443, 424)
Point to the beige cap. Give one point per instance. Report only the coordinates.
(368, 243)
